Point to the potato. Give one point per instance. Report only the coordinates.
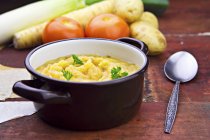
(129, 10)
(154, 39)
(150, 18)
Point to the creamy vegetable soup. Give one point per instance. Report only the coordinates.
(87, 68)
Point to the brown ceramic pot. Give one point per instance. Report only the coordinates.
(90, 105)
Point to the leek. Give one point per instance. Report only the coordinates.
(89, 2)
(33, 14)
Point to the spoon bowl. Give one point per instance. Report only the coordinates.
(180, 67)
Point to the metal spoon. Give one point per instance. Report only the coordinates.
(180, 67)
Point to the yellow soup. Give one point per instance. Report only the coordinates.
(87, 68)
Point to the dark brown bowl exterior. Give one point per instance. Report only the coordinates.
(95, 107)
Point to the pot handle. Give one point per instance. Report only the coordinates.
(28, 89)
(139, 44)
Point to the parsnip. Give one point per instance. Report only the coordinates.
(32, 37)
(83, 16)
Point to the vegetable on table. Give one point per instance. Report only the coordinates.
(33, 14)
(62, 28)
(83, 16)
(150, 18)
(154, 39)
(144, 25)
(107, 26)
(129, 10)
(158, 7)
(31, 37)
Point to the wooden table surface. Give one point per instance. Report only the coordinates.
(186, 25)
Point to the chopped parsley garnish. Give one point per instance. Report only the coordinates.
(67, 74)
(116, 73)
(77, 60)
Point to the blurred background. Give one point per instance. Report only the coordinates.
(7, 5)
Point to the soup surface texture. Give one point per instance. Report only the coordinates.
(87, 68)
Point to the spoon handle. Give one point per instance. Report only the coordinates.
(172, 108)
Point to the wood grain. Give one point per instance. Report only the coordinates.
(186, 17)
(13, 58)
(192, 123)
